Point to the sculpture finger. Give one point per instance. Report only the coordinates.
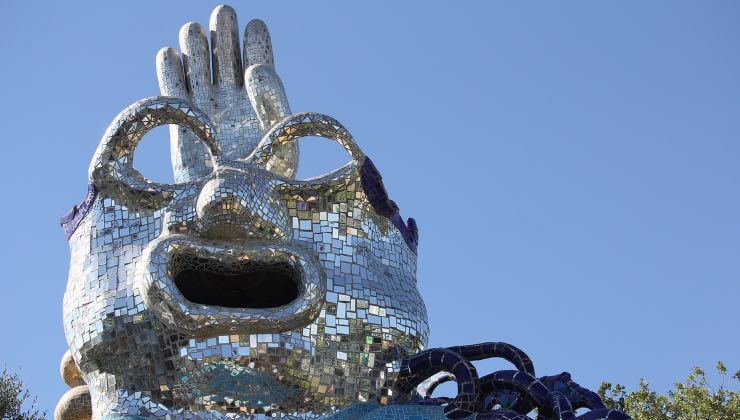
(170, 74)
(195, 59)
(267, 95)
(257, 44)
(227, 66)
(185, 147)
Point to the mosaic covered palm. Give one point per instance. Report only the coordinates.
(240, 289)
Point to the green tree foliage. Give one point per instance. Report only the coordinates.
(694, 399)
(13, 395)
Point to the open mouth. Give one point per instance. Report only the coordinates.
(242, 284)
(214, 287)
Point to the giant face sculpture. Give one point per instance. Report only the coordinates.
(239, 288)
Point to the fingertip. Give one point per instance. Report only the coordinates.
(257, 25)
(257, 44)
(259, 74)
(266, 94)
(189, 30)
(170, 73)
(167, 56)
(220, 12)
(226, 55)
(195, 56)
(260, 78)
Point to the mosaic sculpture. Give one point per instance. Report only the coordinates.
(242, 291)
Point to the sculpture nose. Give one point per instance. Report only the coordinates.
(241, 205)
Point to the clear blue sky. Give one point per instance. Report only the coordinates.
(573, 166)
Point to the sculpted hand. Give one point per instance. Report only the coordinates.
(243, 97)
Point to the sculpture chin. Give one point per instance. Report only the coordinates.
(205, 287)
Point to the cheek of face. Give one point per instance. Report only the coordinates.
(371, 316)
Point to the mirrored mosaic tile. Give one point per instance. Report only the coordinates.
(240, 291)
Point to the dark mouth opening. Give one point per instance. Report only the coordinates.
(241, 284)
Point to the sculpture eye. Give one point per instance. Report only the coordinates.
(308, 126)
(319, 156)
(112, 169)
(153, 153)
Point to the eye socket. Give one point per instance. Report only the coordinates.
(306, 125)
(152, 155)
(319, 156)
(112, 170)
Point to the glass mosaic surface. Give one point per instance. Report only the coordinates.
(240, 291)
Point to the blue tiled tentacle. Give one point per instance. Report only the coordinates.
(504, 394)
